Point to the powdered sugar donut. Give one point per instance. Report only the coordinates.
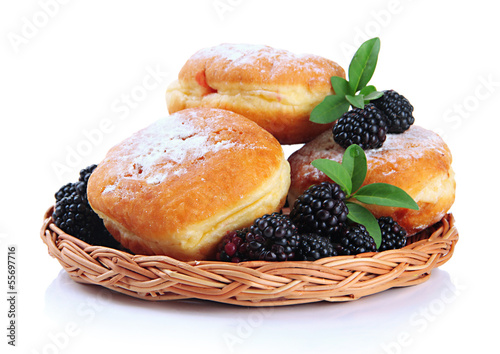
(176, 187)
(417, 161)
(275, 88)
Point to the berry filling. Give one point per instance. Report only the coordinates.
(201, 79)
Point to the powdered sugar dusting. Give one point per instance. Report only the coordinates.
(408, 145)
(109, 188)
(160, 150)
(279, 62)
(241, 53)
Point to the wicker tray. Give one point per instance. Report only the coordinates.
(255, 283)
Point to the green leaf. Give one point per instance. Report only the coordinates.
(354, 161)
(373, 96)
(329, 110)
(359, 214)
(340, 86)
(363, 64)
(357, 101)
(386, 195)
(336, 172)
(367, 90)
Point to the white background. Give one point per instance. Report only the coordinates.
(79, 76)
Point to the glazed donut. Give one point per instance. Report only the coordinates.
(176, 187)
(417, 161)
(274, 88)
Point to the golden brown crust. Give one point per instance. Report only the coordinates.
(178, 186)
(275, 88)
(418, 161)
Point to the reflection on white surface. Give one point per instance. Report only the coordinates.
(387, 322)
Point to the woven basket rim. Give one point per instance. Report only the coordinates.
(252, 283)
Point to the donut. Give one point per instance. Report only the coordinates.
(275, 88)
(176, 187)
(417, 161)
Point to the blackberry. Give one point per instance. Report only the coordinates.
(313, 246)
(320, 209)
(228, 248)
(365, 127)
(393, 235)
(65, 191)
(86, 172)
(81, 185)
(73, 214)
(272, 237)
(355, 239)
(397, 109)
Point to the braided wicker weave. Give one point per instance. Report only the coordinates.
(255, 283)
